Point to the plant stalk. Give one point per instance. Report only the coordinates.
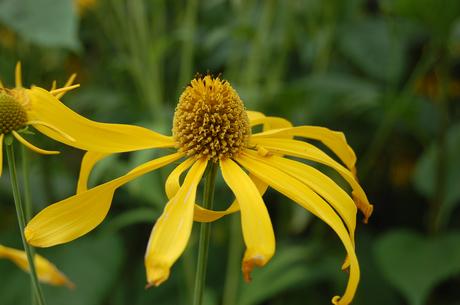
(22, 223)
(205, 233)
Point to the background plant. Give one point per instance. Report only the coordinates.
(385, 72)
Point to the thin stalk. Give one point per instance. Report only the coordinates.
(232, 277)
(22, 223)
(187, 50)
(27, 203)
(205, 233)
(441, 162)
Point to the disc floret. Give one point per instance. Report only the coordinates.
(13, 116)
(210, 120)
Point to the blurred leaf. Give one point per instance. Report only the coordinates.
(291, 267)
(415, 264)
(437, 16)
(49, 23)
(425, 172)
(374, 47)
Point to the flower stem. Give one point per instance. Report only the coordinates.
(205, 232)
(22, 222)
(235, 251)
(27, 205)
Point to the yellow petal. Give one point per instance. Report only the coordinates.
(255, 221)
(31, 146)
(18, 75)
(269, 122)
(172, 230)
(89, 135)
(301, 194)
(320, 183)
(334, 140)
(254, 115)
(46, 271)
(310, 152)
(89, 161)
(77, 215)
(1, 153)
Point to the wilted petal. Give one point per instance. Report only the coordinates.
(171, 232)
(255, 221)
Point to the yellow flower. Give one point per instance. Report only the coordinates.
(37, 107)
(212, 125)
(46, 271)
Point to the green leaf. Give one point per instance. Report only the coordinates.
(425, 172)
(415, 264)
(48, 23)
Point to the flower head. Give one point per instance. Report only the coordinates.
(21, 108)
(212, 125)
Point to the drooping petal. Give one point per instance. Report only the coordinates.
(201, 214)
(46, 271)
(89, 161)
(1, 153)
(172, 230)
(255, 221)
(334, 140)
(301, 194)
(31, 146)
(89, 135)
(318, 182)
(310, 152)
(77, 215)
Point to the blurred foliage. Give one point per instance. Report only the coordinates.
(387, 73)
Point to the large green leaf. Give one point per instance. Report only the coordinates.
(49, 23)
(415, 264)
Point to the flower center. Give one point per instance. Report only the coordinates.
(12, 115)
(210, 120)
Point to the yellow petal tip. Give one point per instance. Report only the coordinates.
(336, 300)
(156, 275)
(250, 263)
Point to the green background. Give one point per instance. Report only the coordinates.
(386, 73)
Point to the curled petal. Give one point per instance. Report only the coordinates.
(171, 232)
(31, 146)
(304, 196)
(321, 184)
(255, 221)
(77, 215)
(334, 140)
(310, 152)
(46, 271)
(89, 135)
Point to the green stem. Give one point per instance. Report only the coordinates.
(441, 162)
(205, 232)
(28, 210)
(232, 277)
(27, 203)
(22, 222)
